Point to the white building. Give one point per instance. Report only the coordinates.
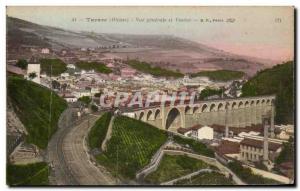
(70, 98)
(81, 93)
(45, 51)
(34, 68)
(72, 66)
(198, 132)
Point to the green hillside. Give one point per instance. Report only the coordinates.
(58, 66)
(97, 66)
(174, 166)
(220, 75)
(31, 103)
(212, 178)
(131, 146)
(30, 175)
(99, 130)
(153, 70)
(278, 80)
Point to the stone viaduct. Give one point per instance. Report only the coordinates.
(237, 112)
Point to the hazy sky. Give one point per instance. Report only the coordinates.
(265, 32)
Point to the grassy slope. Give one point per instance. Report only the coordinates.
(220, 75)
(248, 176)
(58, 66)
(131, 146)
(98, 67)
(172, 167)
(209, 92)
(278, 80)
(197, 147)
(213, 178)
(98, 131)
(155, 71)
(31, 103)
(30, 174)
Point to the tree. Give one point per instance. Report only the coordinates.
(32, 75)
(287, 153)
(85, 99)
(94, 108)
(22, 63)
(55, 84)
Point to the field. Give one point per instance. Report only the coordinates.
(174, 166)
(31, 103)
(98, 67)
(212, 178)
(197, 147)
(99, 130)
(58, 66)
(154, 70)
(30, 174)
(220, 75)
(131, 147)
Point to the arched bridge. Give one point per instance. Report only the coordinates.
(238, 112)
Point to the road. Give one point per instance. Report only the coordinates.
(68, 155)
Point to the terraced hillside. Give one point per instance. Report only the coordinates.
(172, 167)
(31, 102)
(213, 178)
(131, 147)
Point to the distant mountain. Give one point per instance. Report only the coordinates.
(160, 50)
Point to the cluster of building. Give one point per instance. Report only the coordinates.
(250, 145)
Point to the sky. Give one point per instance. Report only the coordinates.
(263, 32)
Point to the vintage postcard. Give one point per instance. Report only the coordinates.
(150, 96)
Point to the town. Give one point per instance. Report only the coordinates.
(250, 142)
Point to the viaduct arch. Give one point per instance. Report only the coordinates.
(238, 112)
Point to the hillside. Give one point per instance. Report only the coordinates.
(31, 103)
(131, 147)
(155, 71)
(30, 175)
(58, 66)
(165, 51)
(278, 80)
(220, 75)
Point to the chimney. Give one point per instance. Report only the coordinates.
(266, 125)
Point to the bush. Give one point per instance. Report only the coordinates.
(22, 64)
(210, 92)
(94, 108)
(248, 176)
(196, 146)
(98, 131)
(287, 153)
(30, 174)
(85, 99)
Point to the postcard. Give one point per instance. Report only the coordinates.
(150, 96)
